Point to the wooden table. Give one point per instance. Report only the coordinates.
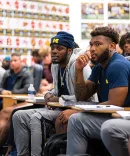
(8, 100)
(56, 104)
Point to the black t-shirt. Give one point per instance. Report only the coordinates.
(62, 87)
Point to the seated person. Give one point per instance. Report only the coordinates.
(125, 44)
(37, 69)
(115, 134)
(111, 84)
(17, 79)
(2, 71)
(47, 81)
(6, 63)
(27, 124)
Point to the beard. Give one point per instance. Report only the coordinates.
(102, 58)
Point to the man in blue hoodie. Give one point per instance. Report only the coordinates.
(28, 122)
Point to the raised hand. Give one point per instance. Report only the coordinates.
(82, 61)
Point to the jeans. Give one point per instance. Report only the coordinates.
(13, 152)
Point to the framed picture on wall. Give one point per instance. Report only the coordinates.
(86, 29)
(118, 11)
(120, 0)
(122, 28)
(92, 11)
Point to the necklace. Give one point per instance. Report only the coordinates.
(62, 76)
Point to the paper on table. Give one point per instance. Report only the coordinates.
(23, 98)
(124, 114)
(99, 107)
(73, 103)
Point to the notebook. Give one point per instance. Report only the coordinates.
(99, 107)
(38, 99)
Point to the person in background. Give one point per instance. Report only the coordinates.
(6, 63)
(115, 134)
(37, 69)
(17, 79)
(125, 44)
(47, 81)
(2, 71)
(36, 57)
(27, 124)
(112, 86)
(118, 49)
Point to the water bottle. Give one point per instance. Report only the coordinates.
(31, 93)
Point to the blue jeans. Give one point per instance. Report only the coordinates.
(13, 152)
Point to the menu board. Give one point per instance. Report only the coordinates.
(29, 24)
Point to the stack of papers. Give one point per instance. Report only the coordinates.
(37, 99)
(73, 103)
(99, 107)
(124, 114)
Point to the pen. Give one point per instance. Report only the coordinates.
(99, 107)
(102, 107)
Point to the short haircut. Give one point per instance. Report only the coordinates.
(16, 54)
(123, 40)
(44, 51)
(35, 52)
(107, 32)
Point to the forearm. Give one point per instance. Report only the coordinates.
(80, 86)
(111, 103)
(20, 91)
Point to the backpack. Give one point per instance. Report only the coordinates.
(55, 145)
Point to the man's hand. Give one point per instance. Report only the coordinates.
(64, 115)
(6, 92)
(51, 98)
(82, 61)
